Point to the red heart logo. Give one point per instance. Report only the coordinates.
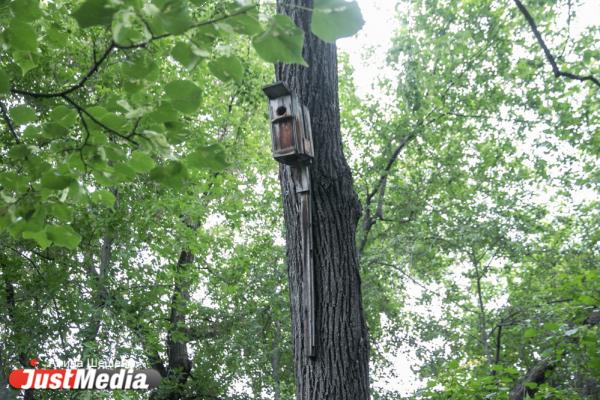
(17, 378)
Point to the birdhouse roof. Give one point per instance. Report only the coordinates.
(276, 90)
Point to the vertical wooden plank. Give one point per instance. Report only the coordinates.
(309, 287)
(301, 176)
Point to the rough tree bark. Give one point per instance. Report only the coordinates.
(340, 369)
(99, 296)
(537, 375)
(179, 359)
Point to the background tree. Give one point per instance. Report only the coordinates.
(481, 156)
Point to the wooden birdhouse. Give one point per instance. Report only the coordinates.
(292, 145)
(290, 126)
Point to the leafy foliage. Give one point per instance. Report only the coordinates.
(482, 175)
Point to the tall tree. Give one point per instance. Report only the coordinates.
(340, 369)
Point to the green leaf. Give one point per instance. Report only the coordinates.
(104, 197)
(530, 332)
(40, 237)
(227, 68)
(165, 112)
(588, 300)
(4, 83)
(22, 114)
(22, 36)
(206, 35)
(141, 162)
(114, 152)
(19, 152)
(185, 95)
(210, 157)
(54, 131)
(25, 60)
(94, 12)
(63, 116)
(63, 236)
(61, 211)
(128, 29)
(246, 23)
(123, 172)
(282, 41)
(187, 54)
(26, 10)
(155, 142)
(56, 38)
(172, 174)
(174, 18)
(177, 132)
(552, 326)
(56, 181)
(111, 120)
(335, 19)
(140, 67)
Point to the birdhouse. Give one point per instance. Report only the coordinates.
(290, 126)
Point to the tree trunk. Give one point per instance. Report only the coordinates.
(275, 360)
(340, 369)
(99, 298)
(180, 364)
(537, 375)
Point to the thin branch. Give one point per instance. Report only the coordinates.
(382, 179)
(135, 126)
(557, 72)
(498, 346)
(9, 124)
(380, 187)
(86, 130)
(437, 294)
(94, 68)
(109, 50)
(82, 110)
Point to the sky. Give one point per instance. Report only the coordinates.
(367, 49)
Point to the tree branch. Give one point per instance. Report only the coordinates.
(382, 179)
(9, 124)
(109, 50)
(498, 347)
(557, 72)
(82, 110)
(537, 375)
(93, 69)
(369, 221)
